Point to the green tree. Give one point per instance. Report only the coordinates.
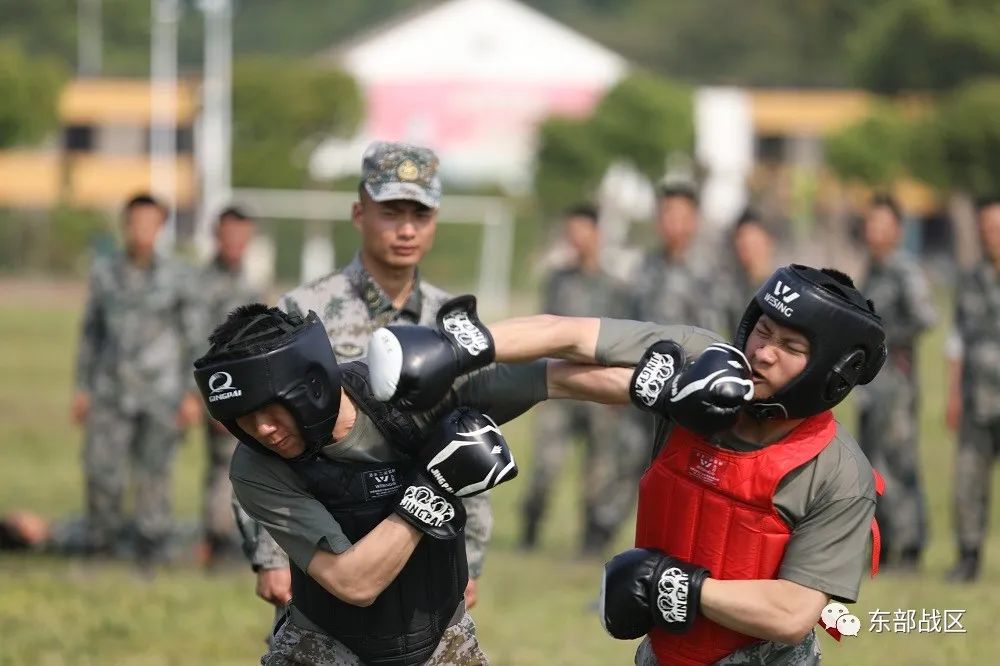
(29, 90)
(872, 150)
(925, 44)
(958, 148)
(280, 108)
(641, 120)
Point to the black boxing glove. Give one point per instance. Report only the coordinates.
(467, 454)
(430, 508)
(705, 396)
(413, 367)
(642, 588)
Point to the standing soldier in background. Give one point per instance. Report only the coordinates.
(396, 215)
(888, 423)
(223, 286)
(974, 395)
(673, 284)
(753, 248)
(584, 289)
(135, 395)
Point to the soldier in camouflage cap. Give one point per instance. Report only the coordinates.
(391, 170)
(396, 215)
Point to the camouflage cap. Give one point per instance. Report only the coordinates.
(391, 170)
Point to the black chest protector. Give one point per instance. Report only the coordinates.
(405, 624)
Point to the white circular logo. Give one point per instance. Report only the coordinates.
(220, 381)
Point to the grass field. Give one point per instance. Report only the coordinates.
(533, 608)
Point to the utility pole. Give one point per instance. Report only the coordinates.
(163, 113)
(88, 37)
(215, 137)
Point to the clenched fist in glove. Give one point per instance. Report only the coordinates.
(643, 588)
(465, 456)
(705, 396)
(414, 366)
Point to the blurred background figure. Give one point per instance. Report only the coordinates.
(135, 393)
(974, 395)
(222, 286)
(676, 283)
(609, 475)
(753, 247)
(889, 420)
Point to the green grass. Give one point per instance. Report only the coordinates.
(533, 608)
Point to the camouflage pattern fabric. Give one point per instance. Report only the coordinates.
(392, 170)
(764, 653)
(220, 290)
(977, 318)
(293, 644)
(888, 406)
(141, 329)
(672, 291)
(352, 305)
(614, 456)
(740, 289)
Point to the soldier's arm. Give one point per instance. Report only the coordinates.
(589, 339)
(92, 333)
(919, 307)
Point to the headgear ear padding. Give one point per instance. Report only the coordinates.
(846, 338)
(274, 357)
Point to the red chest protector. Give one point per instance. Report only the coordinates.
(714, 508)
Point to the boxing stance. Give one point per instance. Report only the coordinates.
(360, 494)
(757, 506)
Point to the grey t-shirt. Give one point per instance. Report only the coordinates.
(273, 494)
(828, 502)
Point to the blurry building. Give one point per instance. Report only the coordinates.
(472, 79)
(103, 153)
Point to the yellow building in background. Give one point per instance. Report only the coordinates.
(103, 156)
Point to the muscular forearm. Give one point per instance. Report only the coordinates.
(593, 383)
(775, 610)
(362, 572)
(529, 338)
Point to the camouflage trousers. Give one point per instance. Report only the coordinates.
(217, 501)
(889, 438)
(114, 443)
(805, 653)
(293, 644)
(616, 450)
(978, 448)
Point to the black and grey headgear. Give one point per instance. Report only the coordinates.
(846, 338)
(273, 357)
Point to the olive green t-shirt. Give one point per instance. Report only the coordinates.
(274, 495)
(828, 502)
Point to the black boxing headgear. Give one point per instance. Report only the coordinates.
(262, 355)
(846, 338)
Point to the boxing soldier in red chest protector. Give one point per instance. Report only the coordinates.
(751, 476)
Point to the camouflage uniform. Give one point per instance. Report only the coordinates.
(293, 644)
(612, 457)
(977, 318)
(804, 653)
(740, 289)
(888, 406)
(352, 305)
(141, 328)
(671, 291)
(221, 290)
